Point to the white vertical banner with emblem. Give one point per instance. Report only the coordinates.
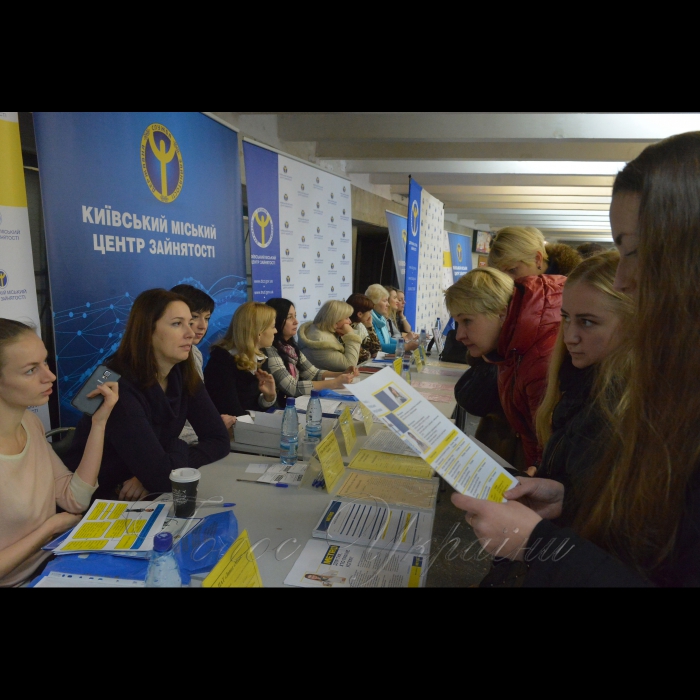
(301, 231)
(431, 279)
(17, 285)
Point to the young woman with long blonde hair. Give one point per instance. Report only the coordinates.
(572, 422)
(235, 375)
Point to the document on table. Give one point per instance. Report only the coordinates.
(279, 473)
(465, 466)
(238, 568)
(328, 452)
(397, 490)
(114, 526)
(58, 580)
(415, 467)
(324, 565)
(376, 525)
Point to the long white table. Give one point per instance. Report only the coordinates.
(281, 521)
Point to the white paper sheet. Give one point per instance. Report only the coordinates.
(324, 565)
(376, 525)
(457, 459)
(257, 468)
(56, 580)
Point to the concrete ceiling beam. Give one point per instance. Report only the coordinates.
(459, 179)
(504, 206)
(441, 190)
(531, 199)
(484, 167)
(484, 126)
(499, 150)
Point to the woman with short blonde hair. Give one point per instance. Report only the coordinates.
(236, 375)
(513, 326)
(330, 342)
(331, 313)
(484, 291)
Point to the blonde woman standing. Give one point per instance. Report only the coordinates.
(235, 375)
(330, 342)
(522, 251)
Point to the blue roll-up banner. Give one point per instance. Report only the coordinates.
(263, 190)
(398, 232)
(413, 251)
(134, 201)
(461, 250)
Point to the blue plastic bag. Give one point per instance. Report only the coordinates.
(330, 394)
(200, 550)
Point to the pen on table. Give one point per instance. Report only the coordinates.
(218, 505)
(263, 483)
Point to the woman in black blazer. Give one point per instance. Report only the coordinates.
(235, 375)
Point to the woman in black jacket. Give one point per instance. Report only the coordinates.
(571, 421)
(235, 376)
(637, 512)
(159, 391)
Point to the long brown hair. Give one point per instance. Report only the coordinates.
(135, 357)
(635, 498)
(598, 273)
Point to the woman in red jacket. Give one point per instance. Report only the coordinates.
(513, 325)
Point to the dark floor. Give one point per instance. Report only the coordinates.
(456, 560)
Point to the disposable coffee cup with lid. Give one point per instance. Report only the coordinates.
(185, 482)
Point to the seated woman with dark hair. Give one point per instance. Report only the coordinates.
(159, 390)
(361, 321)
(235, 374)
(201, 307)
(294, 374)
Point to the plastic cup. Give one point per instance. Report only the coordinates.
(185, 483)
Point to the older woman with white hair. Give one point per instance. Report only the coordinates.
(380, 318)
(330, 342)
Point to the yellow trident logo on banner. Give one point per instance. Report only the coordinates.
(263, 223)
(263, 219)
(164, 158)
(3, 279)
(166, 154)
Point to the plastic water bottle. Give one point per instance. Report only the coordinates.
(289, 443)
(406, 374)
(423, 339)
(400, 347)
(163, 571)
(314, 418)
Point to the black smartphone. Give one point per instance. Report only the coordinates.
(100, 376)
